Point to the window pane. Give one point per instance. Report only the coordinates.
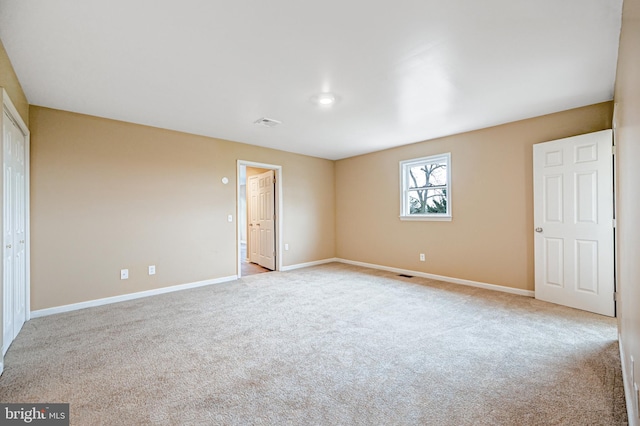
(425, 188)
(428, 201)
(428, 174)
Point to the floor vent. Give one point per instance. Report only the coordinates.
(405, 276)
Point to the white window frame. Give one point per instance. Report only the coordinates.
(404, 188)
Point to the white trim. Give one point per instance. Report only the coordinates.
(308, 264)
(6, 101)
(433, 218)
(27, 226)
(470, 283)
(629, 391)
(279, 211)
(130, 296)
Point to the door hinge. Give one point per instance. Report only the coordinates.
(613, 149)
(615, 296)
(615, 223)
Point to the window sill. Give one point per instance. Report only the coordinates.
(434, 218)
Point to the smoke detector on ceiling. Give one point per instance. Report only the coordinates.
(267, 122)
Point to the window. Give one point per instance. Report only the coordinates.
(425, 187)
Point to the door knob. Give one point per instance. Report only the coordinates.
(538, 229)
(8, 245)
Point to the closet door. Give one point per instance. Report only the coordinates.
(14, 230)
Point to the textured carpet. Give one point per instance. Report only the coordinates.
(329, 345)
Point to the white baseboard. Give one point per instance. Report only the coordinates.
(495, 287)
(130, 296)
(629, 391)
(307, 264)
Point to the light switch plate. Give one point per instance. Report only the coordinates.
(124, 274)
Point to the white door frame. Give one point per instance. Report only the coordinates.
(8, 106)
(279, 209)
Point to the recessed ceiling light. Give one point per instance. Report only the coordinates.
(324, 99)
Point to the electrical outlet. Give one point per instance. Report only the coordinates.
(124, 274)
(422, 258)
(152, 269)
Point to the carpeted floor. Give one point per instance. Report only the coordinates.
(328, 345)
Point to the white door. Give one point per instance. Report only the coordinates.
(266, 220)
(14, 226)
(254, 232)
(262, 220)
(573, 221)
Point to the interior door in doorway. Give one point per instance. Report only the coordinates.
(14, 231)
(254, 232)
(573, 221)
(262, 219)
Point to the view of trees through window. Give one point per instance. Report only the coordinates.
(428, 188)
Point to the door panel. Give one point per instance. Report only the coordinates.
(266, 220)
(19, 232)
(14, 232)
(586, 198)
(554, 261)
(587, 266)
(573, 217)
(254, 237)
(553, 199)
(8, 261)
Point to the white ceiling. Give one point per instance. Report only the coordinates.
(403, 71)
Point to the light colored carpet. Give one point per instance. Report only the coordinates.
(329, 345)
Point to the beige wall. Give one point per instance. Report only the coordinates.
(627, 97)
(9, 81)
(107, 195)
(490, 239)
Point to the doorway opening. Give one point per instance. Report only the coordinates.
(258, 206)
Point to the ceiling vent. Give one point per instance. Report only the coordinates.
(267, 122)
